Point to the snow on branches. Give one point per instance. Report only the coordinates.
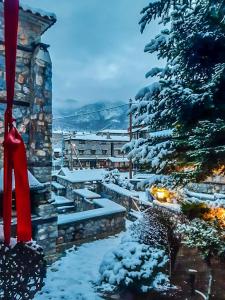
(188, 97)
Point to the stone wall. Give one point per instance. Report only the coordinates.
(125, 201)
(89, 229)
(70, 186)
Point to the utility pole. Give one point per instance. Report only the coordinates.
(71, 154)
(63, 149)
(130, 131)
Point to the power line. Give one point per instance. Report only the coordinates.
(89, 113)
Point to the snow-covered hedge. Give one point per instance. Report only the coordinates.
(134, 265)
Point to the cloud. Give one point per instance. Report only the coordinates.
(97, 49)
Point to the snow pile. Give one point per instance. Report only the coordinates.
(134, 265)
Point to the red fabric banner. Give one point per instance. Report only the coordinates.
(14, 148)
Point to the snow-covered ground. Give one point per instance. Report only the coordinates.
(72, 276)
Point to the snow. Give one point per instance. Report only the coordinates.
(161, 133)
(134, 264)
(113, 131)
(212, 200)
(118, 189)
(72, 276)
(33, 182)
(57, 185)
(170, 206)
(95, 137)
(118, 159)
(58, 150)
(108, 207)
(37, 11)
(60, 200)
(85, 193)
(82, 175)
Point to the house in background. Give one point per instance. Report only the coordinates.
(89, 150)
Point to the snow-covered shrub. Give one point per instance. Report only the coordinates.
(114, 176)
(208, 238)
(141, 261)
(149, 230)
(134, 265)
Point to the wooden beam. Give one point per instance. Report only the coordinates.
(17, 103)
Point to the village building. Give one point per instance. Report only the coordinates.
(89, 150)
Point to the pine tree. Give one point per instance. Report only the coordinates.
(185, 109)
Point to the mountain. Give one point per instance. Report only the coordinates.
(91, 117)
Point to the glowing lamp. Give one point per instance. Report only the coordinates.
(162, 194)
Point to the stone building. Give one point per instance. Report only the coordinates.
(33, 113)
(90, 150)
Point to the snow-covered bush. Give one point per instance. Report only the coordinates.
(142, 260)
(207, 237)
(114, 176)
(134, 265)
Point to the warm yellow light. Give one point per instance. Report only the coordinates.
(216, 213)
(219, 171)
(162, 194)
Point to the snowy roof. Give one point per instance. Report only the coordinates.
(85, 193)
(33, 182)
(93, 157)
(114, 131)
(38, 11)
(95, 137)
(108, 207)
(82, 175)
(118, 159)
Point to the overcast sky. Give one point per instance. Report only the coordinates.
(97, 49)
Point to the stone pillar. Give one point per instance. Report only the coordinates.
(40, 152)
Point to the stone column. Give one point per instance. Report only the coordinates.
(40, 147)
(40, 152)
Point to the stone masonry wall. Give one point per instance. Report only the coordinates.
(33, 88)
(89, 229)
(123, 200)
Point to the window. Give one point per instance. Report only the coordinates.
(93, 152)
(104, 152)
(81, 152)
(81, 142)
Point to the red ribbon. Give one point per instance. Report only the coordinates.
(14, 148)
